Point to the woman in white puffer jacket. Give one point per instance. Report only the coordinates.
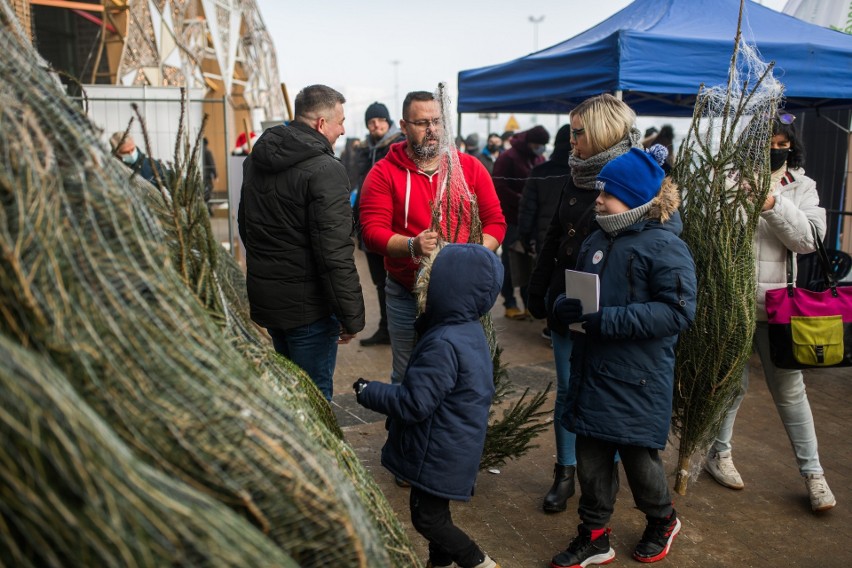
(785, 224)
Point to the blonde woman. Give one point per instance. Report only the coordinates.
(602, 129)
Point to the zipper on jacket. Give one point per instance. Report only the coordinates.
(679, 288)
(630, 285)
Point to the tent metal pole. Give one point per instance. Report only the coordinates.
(458, 132)
(617, 94)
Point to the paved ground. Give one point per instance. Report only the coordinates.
(768, 524)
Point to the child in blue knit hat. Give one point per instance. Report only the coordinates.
(622, 367)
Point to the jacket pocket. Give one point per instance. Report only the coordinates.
(628, 374)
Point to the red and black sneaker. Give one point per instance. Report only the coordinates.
(657, 538)
(583, 551)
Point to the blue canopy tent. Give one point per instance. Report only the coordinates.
(656, 53)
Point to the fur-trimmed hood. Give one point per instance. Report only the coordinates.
(665, 204)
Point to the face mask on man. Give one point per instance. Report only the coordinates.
(494, 148)
(538, 150)
(778, 157)
(130, 158)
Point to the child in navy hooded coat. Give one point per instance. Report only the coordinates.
(439, 413)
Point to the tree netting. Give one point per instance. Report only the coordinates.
(455, 217)
(73, 494)
(121, 288)
(722, 170)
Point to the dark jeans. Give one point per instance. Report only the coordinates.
(430, 516)
(645, 474)
(313, 347)
(508, 289)
(378, 275)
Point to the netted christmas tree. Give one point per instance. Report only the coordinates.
(722, 170)
(156, 385)
(455, 217)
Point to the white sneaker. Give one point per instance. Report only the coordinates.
(487, 563)
(720, 466)
(822, 499)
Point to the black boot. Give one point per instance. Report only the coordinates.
(381, 337)
(563, 488)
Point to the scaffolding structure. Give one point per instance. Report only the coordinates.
(222, 46)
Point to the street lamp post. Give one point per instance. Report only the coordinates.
(535, 22)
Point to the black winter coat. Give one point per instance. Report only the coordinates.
(296, 224)
(540, 198)
(571, 224)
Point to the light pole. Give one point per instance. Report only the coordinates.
(535, 22)
(395, 64)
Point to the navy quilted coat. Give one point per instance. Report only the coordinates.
(439, 413)
(622, 383)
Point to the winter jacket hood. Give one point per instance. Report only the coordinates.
(450, 299)
(282, 147)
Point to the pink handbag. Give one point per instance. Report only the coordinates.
(810, 329)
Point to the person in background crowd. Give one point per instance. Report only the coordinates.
(491, 152)
(511, 171)
(506, 138)
(438, 415)
(210, 176)
(649, 137)
(296, 223)
(602, 128)
(396, 213)
(382, 133)
(622, 372)
(785, 224)
(125, 149)
(541, 195)
(471, 144)
(351, 160)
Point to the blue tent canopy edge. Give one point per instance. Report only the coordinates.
(658, 53)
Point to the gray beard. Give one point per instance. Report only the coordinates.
(424, 151)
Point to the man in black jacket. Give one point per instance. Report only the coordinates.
(296, 224)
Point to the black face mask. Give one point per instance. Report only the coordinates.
(494, 148)
(777, 158)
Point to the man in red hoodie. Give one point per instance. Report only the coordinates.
(396, 213)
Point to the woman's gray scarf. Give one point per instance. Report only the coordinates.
(585, 172)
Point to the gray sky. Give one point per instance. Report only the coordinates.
(353, 46)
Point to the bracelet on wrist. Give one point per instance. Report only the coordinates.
(411, 249)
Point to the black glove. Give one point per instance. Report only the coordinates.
(592, 324)
(536, 306)
(567, 310)
(359, 386)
